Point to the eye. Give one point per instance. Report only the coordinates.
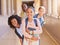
(31, 11)
(27, 11)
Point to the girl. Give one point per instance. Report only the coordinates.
(41, 12)
(14, 21)
(23, 12)
(32, 27)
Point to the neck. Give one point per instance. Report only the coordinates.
(18, 26)
(30, 19)
(40, 15)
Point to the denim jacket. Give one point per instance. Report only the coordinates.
(41, 19)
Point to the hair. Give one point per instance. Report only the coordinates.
(31, 8)
(14, 17)
(24, 5)
(42, 7)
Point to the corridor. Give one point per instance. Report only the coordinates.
(51, 29)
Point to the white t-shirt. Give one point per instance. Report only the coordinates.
(19, 30)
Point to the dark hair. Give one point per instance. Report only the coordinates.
(24, 5)
(14, 17)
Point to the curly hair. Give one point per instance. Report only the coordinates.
(14, 17)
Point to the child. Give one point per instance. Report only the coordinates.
(32, 27)
(23, 12)
(41, 12)
(14, 21)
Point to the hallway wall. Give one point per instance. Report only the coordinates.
(59, 7)
(0, 7)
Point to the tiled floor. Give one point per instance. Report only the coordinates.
(8, 37)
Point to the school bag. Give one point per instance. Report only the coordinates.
(26, 22)
(21, 37)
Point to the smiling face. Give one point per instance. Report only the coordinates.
(14, 22)
(41, 11)
(30, 13)
(24, 7)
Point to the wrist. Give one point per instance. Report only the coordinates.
(30, 32)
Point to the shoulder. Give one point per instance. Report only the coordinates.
(36, 19)
(35, 16)
(23, 20)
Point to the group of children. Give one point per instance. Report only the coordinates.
(29, 29)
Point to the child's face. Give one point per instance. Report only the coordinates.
(14, 22)
(41, 11)
(29, 13)
(24, 7)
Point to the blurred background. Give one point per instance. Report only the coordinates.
(51, 29)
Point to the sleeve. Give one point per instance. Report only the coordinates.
(23, 30)
(39, 28)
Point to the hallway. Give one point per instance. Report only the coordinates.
(51, 29)
(8, 37)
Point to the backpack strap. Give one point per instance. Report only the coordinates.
(18, 34)
(35, 21)
(26, 22)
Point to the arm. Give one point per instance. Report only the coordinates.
(39, 28)
(21, 41)
(24, 30)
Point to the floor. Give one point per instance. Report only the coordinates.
(53, 27)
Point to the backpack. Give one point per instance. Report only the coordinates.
(26, 22)
(19, 34)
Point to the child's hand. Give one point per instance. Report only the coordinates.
(37, 28)
(34, 38)
(27, 31)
